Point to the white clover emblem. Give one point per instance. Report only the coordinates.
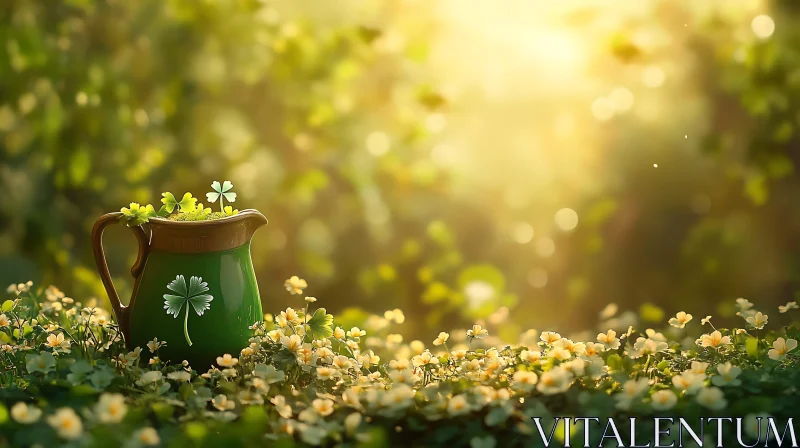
(192, 295)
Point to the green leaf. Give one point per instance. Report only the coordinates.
(321, 324)
(7, 306)
(186, 204)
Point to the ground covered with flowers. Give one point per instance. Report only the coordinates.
(68, 379)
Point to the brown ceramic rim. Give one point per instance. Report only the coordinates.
(193, 237)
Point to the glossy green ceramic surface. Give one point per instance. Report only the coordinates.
(222, 328)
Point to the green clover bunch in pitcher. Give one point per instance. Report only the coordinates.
(185, 209)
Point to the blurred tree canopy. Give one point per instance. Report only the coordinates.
(334, 122)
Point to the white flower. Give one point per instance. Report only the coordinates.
(4, 322)
(147, 436)
(221, 403)
(689, 381)
(758, 320)
(680, 320)
(155, 344)
(715, 340)
(311, 299)
(284, 409)
(66, 423)
(424, 359)
(663, 400)
(727, 375)
(458, 405)
(441, 339)
(22, 413)
(477, 332)
(227, 360)
(149, 377)
(554, 381)
(352, 422)
(111, 408)
(781, 347)
(338, 333)
(647, 346)
(609, 339)
(631, 390)
(743, 304)
(712, 398)
(705, 320)
(789, 306)
(180, 375)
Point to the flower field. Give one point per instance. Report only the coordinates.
(68, 379)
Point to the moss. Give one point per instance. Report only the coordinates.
(196, 216)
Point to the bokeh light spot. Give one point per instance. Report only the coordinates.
(522, 233)
(653, 76)
(378, 143)
(566, 219)
(603, 109)
(763, 26)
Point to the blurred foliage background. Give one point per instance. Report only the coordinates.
(518, 163)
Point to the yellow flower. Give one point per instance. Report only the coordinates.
(699, 368)
(568, 345)
(57, 341)
(338, 333)
(22, 413)
(549, 337)
(295, 285)
(155, 345)
(356, 332)
(326, 373)
(222, 403)
(705, 320)
(477, 332)
(324, 407)
(111, 408)
(4, 322)
(758, 320)
(663, 400)
(227, 360)
(458, 405)
(524, 380)
(441, 339)
(594, 349)
(147, 436)
(311, 299)
(715, 340)
(680, 320)
(609, 339)
(293, 342)
(554, 381)
(291, 316)
(781, 347)
(712, 398)
(424, 359)
(66, 423)
(530, 355)
(688, 381)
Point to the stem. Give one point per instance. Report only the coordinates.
(186, 326)
(221, 206)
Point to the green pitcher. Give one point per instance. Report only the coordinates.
(194, 286)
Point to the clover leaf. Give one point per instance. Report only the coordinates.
(221, 192)
(321, 324)
(187, 204)
(136, 215)
(193, 295)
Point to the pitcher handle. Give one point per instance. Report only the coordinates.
(121, 311)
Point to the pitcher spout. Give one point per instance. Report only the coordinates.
(253, 220)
